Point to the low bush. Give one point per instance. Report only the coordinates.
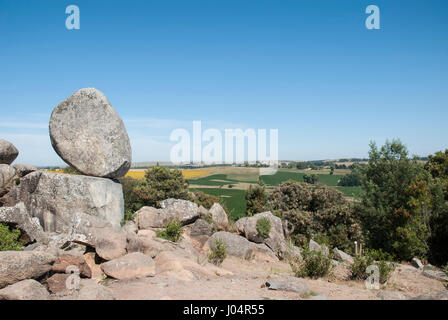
(256, 200)
(317, 211)
(172, 232)
(312, 264)
(204, 199)
(218, 253)
(372, 257)
(310, 178)
(263, 227)
(9, 239)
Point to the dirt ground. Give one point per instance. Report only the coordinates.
(246, 281)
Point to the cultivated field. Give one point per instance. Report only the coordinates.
(230, 183)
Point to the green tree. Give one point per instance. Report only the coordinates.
(310, 178)
(353, 179)
(396, 203)
(161, 183)
(437, 166)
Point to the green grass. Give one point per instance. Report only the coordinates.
(281, 176)
(234, 200)
(354, 192)
(207, 181)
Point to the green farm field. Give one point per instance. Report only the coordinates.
(233, 199)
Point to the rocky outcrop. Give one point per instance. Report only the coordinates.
(416, 262)
(24, 169)
(171, 264)
(219, 216)
(247, 226)
(314, 246)
(7, 177)
(8, 153)
(109, 243)
(91, 290)
(54, 199)
(88, 134)
(67, 260)
(342, 256)
(201, 228)
(57, 283)
(288, 283)
(434, 273)
(18, 217)
(130, 266)
(146, 245)
(16, 266)
(25, 290)
(186, 211)
(235, 244)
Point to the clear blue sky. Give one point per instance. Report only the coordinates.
(309, 68)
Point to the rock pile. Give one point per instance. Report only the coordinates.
(60, 212)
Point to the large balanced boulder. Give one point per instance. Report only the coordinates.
(54, 198)
(25, 290)
(88, 134)
(20, 265)
(185, 211)
(235, 245)
(8, 153)
(7, 177)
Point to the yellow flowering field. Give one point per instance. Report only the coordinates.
(188, 173)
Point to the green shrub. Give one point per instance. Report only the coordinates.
(204, 199)
(218, 253)
(161, 183)
(263, 227)
(310, 178)
(256, 200)
(312, 264)
(317, 211)
(372, 257)
(9, 239)
(172, 232)
(352, 179)
(131, 200)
